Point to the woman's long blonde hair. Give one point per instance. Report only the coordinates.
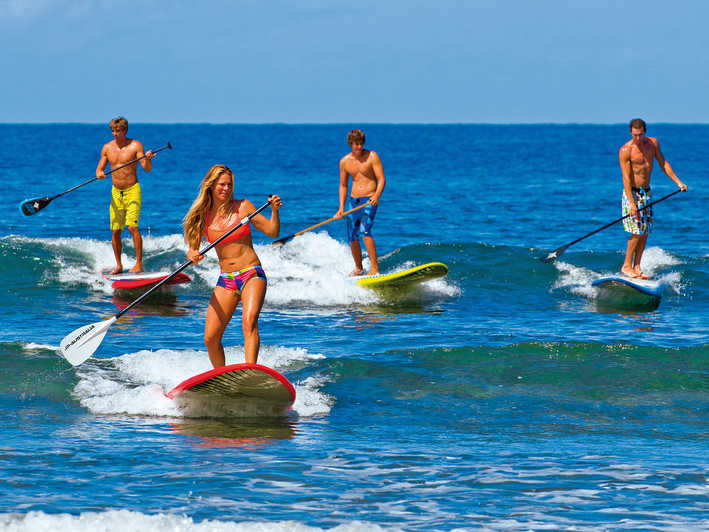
(194, 222)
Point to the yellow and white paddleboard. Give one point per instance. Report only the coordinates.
(404, 278)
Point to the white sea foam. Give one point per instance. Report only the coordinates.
(312, 268)
(121, 520)
(81, 260)
(575, 278)
(136, 383)
(578, 279)
(32, 346)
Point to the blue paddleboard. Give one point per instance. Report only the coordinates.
(644, 286)
(619, 291)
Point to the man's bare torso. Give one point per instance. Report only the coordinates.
(364, 180)
(116, 155)
(641, 157)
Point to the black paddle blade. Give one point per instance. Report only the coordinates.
(33, 206)
(551, 257)
(282, 241)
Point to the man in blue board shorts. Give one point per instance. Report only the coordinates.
(365, 169)
(124, 210)
(636, 160)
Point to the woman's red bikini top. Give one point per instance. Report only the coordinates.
(214, 234)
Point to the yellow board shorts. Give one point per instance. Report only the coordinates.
(125, 207)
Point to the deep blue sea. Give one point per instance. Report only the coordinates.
(505, 396)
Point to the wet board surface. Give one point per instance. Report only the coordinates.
(620, 292)
(647, 287)
(128, 280)
(404, 278)
(236, 389)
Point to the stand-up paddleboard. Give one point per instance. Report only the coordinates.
(242, 390)
(404, 278)
(628, 292)
(128, 280)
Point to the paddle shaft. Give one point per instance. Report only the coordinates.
(189, 262)
(287, 238)
(559, 251)
(168, 145)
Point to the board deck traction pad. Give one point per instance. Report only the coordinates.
(247, 380)
(645, 286)
(417, 274)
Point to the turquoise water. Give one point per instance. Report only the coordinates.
(504, 396)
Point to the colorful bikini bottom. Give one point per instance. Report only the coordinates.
(235, 281)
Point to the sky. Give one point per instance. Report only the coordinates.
(334, 61)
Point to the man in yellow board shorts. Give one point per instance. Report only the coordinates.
(125, 193)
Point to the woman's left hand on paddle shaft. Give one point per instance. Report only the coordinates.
(194, 256)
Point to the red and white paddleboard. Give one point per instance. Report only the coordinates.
(237, 389)
(128, 280)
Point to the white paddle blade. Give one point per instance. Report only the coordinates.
(79, 345)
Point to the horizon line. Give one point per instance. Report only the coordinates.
(354, 123)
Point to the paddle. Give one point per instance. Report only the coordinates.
(283, 240)
(551, 257)
(33, 206)
(80, 344)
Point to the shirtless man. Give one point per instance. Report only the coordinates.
(125, 193)
(365, 168)
(636, 160)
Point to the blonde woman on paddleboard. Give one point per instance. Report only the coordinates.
(213, 213)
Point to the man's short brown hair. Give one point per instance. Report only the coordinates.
(119, 123)
(638, 123)
(356, 136)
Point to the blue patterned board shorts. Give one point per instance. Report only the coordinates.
(359, 223)
(631, 224)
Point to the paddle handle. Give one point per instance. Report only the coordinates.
(168, 145)
(286, 239)
(189, 262)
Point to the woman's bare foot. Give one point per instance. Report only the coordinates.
(356, 272)
(137, 268)
(117, 269)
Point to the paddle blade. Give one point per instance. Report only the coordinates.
(79, 345)
(551, 257)
(282, 241)
(33, 206)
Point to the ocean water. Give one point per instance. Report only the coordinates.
(503, 396)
